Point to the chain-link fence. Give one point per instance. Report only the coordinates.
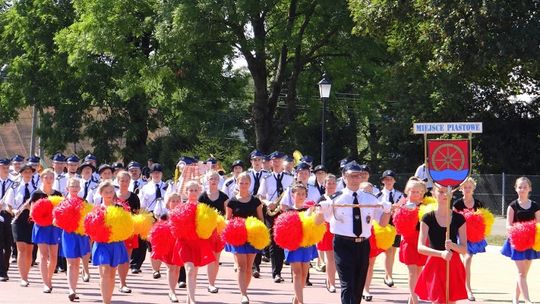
(496, 191)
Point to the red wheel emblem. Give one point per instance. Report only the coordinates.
(448, 156)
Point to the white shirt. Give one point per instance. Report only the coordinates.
(312, 195)
(384, 195)
(61, 181)
(251, 173)
(140, 183)
(341, 218)
(15, 195)
(90, 191)
(268, 187)
(147, 195)
(421, 172)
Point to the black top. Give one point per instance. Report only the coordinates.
(219, 203)
(524, 215)
(459, 205)
(133, 202)
(437, 234)
(244, 210)
(39, 194)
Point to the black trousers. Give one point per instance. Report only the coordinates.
(182, 275)
(257, 262)
(352, 262)
(6, 241)
(277, 255)
(138, 255)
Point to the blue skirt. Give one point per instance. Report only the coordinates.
(74, 245)
(242, 249)
(301, 255)
(509, 251)
(477, 247)
(49, 235)
(112, 254)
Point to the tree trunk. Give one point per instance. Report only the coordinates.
(137, 132)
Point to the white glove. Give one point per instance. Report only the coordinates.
(386, 206)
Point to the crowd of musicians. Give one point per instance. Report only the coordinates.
(346, 203)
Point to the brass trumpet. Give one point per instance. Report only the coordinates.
(277, 209)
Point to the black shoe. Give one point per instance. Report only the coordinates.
(182, 285)
(156, 275)
(265, 259)
(213, 289)
(278, 279)
(368, 298)
(308, 283)
(389, 283)
(256, 274)
(135, 271)
(4, 278)
(72, 297)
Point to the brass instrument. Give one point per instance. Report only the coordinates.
(277, 210)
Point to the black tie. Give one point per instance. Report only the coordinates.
(3, 189)
(357, 221)
(257, 177)
(86, 189)
(158, 191)
(391, 197)
(279, 186)
(26, 193)
(135, 185)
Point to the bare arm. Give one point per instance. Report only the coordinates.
(228, 211)
(510, 217)
(260, 212)
(462, 246)
(426, 250)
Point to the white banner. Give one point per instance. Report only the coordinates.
(447, 127)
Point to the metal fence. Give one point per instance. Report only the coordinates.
(496, 191)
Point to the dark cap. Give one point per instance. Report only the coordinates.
(33, 160)
(187, 160)
(73, 159)
(211, 160)
(58, 157)
(87, 164)
(155, 167)
(320, 168)
(117, 165)
(277, 154)
(256, 154)
(237, 163)
(133, 164)
(306, 159)
(365, 168)
(26, 166)
(344, 162)
(17, 158)
(388, 173)
(104, 167)
(4, 161)
(288, 158)
(267, 158)
(90, 157)
(302, 166)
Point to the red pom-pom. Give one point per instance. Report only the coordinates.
(309, 204)
(95, 227)
(68, 214)
(522, 235)
(235, 233)
(475, 226)
(41, 212)
(183, 223)
(162, 240)
(405, 221)
(288, 232)
(374, 250)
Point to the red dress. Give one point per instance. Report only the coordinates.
(431, 285)
(199, 252)
(327, 243)
(408, 251)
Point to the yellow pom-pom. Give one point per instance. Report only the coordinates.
(55, 199)
(120, 222)
(205, 220)
(87, 207)
(536, 246)
(257, 233)
(312, 233)
(221, 224)
(489, 219)
(426, 208)
(384, 236)
(142, 224)
(429, 200)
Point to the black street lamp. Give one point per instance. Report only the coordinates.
(324, 91)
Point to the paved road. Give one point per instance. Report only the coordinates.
(493, 282)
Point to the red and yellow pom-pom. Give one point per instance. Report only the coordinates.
(56, 199)
(95, 227)
(235, 233)
(86, 208)
(489, 219)
(312, 233)
(476, 227)
(384, 236)
(67, 214)
(536, 246)
(257, 233)
(522, 235)
(120, 223)
(161, 238)
(205, 220)
(429, 200)
(288, 230)
(183, 223)
(426, 208)
(41, 212)
(221, 224)
(405, 221)
(142, 224)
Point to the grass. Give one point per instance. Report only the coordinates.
(496, 240)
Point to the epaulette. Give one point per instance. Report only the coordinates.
(288, 173)
(229, 182)
(379, 194)
(166, 186)
(94, 188)
(60, 176)
(370, 194)
(267, 176)
(333, 196)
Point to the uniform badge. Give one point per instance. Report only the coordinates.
(368, 219)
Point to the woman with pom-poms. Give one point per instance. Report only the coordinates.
(464, 205)
(215, 199)
(306, 251)
(243, 205)
(431, 284)
(325, 246)
(108, 225)
(161, 238)
(130, 201)
(522, 218)
(44, 233)
(69, 215)
(407, 224)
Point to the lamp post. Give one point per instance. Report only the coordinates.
(324, 92)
